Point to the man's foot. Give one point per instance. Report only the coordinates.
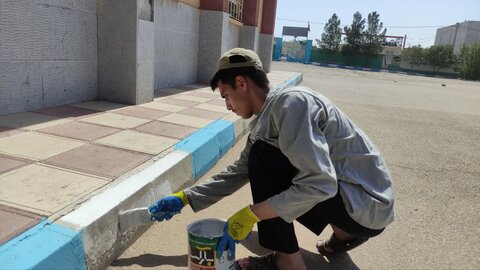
(266, 262)
(335, 245)
(272, 261)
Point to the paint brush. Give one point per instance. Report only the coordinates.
(134, 218)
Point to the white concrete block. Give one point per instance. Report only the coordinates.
(80, 36)
(20, 86)
(88, 6)
(11, 46)
(144, 10)
(232, 36)
(40, 31)
(145, 42)
(176, 43)
(210, 43)
(249, 36)
(69, 81)
(265, 48)
(117, 34)
(145, 61)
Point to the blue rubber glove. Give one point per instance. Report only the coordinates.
(226, 242)
(167, 207)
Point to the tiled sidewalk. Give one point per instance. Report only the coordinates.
(53, 158)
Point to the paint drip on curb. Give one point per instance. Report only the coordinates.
(203, 238)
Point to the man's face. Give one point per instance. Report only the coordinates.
(237, 99)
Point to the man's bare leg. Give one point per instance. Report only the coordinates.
(341, 234)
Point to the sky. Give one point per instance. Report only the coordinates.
(417, 19)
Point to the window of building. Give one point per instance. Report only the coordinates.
(235, 8)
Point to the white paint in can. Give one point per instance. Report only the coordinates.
(203, 238)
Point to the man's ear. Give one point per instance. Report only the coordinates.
(241, 82)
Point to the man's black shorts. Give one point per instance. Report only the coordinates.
(270, 173)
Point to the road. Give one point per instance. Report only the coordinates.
(428, 130)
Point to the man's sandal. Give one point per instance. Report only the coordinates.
(338, 246)
(266, 262)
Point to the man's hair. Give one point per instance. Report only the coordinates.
(227, 76)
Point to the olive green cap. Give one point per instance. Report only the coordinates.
(239, 57)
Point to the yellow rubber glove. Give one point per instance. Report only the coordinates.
(241, 223)
(181, 195)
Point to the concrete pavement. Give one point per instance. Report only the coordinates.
(429, 135)
(67, 171)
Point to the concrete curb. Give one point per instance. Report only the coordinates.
(88, 237)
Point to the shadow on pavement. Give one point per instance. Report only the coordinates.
(152, 260)
(312, 260)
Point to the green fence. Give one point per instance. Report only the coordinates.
(338, 58)
(422, 72)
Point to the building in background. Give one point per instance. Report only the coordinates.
(59, 52)
(458, 35)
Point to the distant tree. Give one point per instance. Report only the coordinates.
(440, 56)
(413, 55)
(354, 35)
(374, 36)
(332, 34)
(469, 62)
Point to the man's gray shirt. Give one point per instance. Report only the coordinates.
(330, 152)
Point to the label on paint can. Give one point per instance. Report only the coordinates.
(203, 238)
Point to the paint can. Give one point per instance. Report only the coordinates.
(203, 238)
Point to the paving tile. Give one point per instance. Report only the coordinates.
(211, 107)
(173, 90)
(138, 141)
(99, 160)
(180, 102)
(30, 121)
(196, 85)
(99, 105)
(159, 94)
(80, 131)
(163, 106)
(6, 131)
(66, 111)
(192, 98)
(207, 90)
(141, 112)
(13, 222)
(115, 120)
(218, 102)
(210, 95)
(203, 113)
(186, 120)
(43, 189)
(36, 146)
(167, 129)
(8, 163)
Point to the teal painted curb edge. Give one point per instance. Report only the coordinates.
(208, 145)
(292, 82)
(45, 246)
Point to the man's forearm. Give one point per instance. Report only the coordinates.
(263, 210)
